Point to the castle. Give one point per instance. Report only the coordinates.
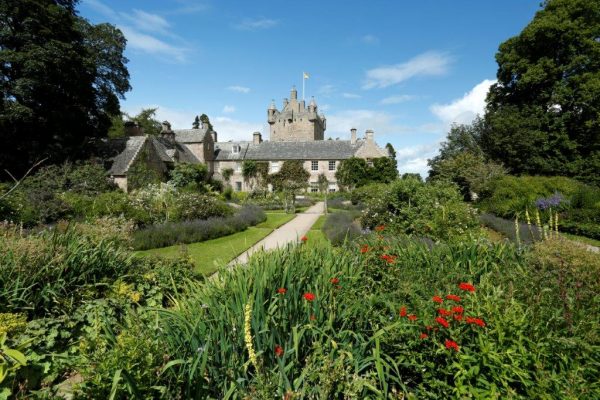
(296, 133)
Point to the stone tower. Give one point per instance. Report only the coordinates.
(295, 122)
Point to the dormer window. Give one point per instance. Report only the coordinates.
(236, 149)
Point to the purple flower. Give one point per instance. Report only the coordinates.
(554, 201)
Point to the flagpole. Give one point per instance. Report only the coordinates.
(303, 80)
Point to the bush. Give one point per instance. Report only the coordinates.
(171, 233)
(512, 195)
(340, 227)
(434, 210)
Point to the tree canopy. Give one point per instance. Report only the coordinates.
(61, 79)
(290, 180)
(355, 172)
(543, 114)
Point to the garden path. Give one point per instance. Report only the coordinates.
(290, 232)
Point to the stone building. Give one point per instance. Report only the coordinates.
(296, 133)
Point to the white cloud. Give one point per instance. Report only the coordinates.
(147, 22)
(326, 90)
(427, 64)
(179, 119)
(152, 45)
(339, 124)
(255, 24)
(239, 89)
(351, 96)
(228, 109)
(232, 129)
(370, 39)
(413, 159)
(397, 99)
(101, 8)
(466, 108)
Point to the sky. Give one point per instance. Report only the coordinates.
(406, 69)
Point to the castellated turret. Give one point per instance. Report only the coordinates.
(295, 122)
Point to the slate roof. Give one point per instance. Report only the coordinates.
(314, 150)
(125, 149)
(189, 135)
(224, 151)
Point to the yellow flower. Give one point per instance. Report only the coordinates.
(248, 335)
(135, 297)
(12, 323)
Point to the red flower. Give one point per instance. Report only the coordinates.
(304, 238)
(442, 322)
(282, 290)
(279, 351)
(444, 313)
(423, 336)
(334, 281)
(451, 344)
(412, 317)
(309, 296)
(379, 228)
(457, 309)
(429, 327)
(403, 312)
(438, 299)
(312, 317)
(388, 258)
(453, 297)
(458, 317)
(364, 249)
(467, 287)
(475, 321)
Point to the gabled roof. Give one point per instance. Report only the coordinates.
(313, 150)
(224, 151)
(189, 135)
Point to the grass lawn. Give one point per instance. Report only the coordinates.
(208, 256)
(315, 235)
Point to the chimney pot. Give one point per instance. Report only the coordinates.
(369, 134)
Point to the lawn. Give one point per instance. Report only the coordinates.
(209, 255)
(315, 235)
(582, 239)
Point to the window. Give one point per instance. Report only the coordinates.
(238, 186)
(314, 187)
(369, 162)
(236, 149)
(274, 166)
(332, 165)
(314, 165)
(238, 167)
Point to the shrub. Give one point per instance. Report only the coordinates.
(434, 210)
(170, 233)
(340, 227)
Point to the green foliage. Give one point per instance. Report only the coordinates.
(470, 172)
(384, 170)
(146, 120)
(340, 227)
(291, 179)
(391, 151)
(434, 210)
(511, 195)
(352, 173)
(196, 123)
(62, 80)
(542, 115)
(227, 173)
(190, 176)
(204, 119)
(140, 174)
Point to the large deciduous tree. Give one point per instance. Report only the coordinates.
(290, 180)
(543, 114)
(61, 79)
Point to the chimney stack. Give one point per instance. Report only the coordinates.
(166, 131)
(294, 93)
(353, 136)
(256, 138)
(369, 135)
(133, 129)
(213, 134)
(205, 126)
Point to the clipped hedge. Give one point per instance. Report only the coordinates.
(171, 233)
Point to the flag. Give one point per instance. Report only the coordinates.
(305, 75)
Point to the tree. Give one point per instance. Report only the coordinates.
(61, 79)
(384, 170)
(391, 151)
(460, 139)
(543, 113)
(145, 120)
(186, 175)
(227, 173)
(412, 175)
(352, 172)
(323, 183)
(204, 119)
(196, 123)
(470, 172)
(290, 180)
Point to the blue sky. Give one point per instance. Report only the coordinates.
(406, 69)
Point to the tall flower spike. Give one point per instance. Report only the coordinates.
(248, 335)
